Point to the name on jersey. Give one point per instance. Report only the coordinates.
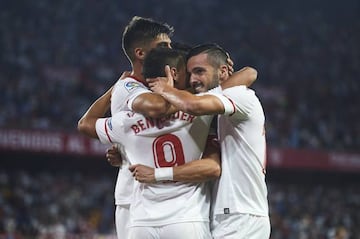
(148, 123)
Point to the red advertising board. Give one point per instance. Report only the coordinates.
(49, 142)
(77, 144)
(313, 159)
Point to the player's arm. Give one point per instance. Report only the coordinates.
(205, 104)
(152, 105)
(98, 109)
(208, 168)
(193, 104)
(245, 76)
(138, 98)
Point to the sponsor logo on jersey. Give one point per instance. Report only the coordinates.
(129, 86)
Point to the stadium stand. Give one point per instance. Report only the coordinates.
(57, 58)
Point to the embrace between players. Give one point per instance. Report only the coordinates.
(186, 185)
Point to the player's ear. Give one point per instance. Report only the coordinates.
(173, 72)
(224, 72)
(140, 53)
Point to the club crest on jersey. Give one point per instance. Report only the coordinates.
(129, 86)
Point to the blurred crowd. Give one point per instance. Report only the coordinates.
(316, 211)
(56, 57)
(79, 205)
(55, 205)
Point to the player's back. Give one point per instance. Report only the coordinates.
(124, 90)
(164, 142)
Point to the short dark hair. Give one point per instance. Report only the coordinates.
(157, 58)
(140, 32)
(181, 46)
(216, 54)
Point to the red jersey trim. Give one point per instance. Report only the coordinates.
(233, 105)
(106, 131)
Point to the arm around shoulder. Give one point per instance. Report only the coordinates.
(87, 123)
(152, 105)
(246, 76)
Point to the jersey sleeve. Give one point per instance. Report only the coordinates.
(124, 93)
(102, 127)
(238, 99)
(227, 102)
(110, 129)
(243, 99)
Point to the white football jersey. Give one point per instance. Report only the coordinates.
(123, 93)
(241, 187)
(165, 142)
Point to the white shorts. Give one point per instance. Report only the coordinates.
(238, 225)
(122, 217)
(185, 230)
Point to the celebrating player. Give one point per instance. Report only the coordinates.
(139, 37)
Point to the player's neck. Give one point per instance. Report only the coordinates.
(137, 71)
